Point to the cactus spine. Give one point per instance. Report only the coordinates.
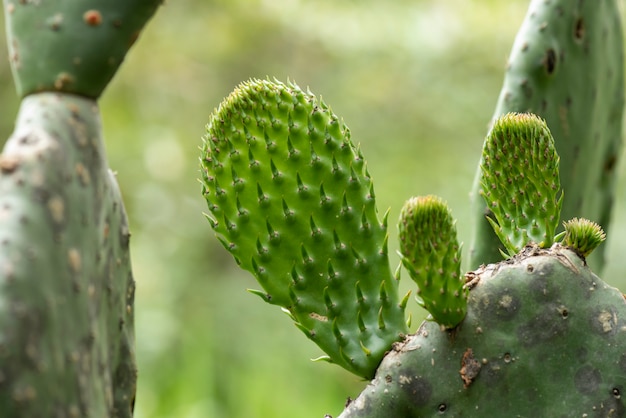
(66, 285)
(566, 66)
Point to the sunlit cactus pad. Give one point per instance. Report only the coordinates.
(543, 337)
(290, 198)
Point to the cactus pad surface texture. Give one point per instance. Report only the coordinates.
(543, 337)
(290, 198)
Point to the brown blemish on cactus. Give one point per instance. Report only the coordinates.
(92, 17)
(8, 164)
(605, 322)
(579, 29)
(318, 317)
(470, 367)
(56, 206)
(73, 257)
(549, 61)
(63, 80)
(83, 174)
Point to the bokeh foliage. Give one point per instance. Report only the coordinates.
(416, 82)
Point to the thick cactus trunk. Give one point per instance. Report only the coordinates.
(66, 286)
(543, 337)
(567, 66)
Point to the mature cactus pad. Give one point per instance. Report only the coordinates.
(66, 287)
(543, 337)
(291, 199)
(73, 46)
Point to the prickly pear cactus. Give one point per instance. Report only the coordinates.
(566, 66)
(543, 337)
(66, 285)
(290, 198)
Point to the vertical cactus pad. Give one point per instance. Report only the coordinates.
(431, 254)
(520, 181)
(290, 198)
(543, 337)
(66, 286)
(71, 46)
(567, 66)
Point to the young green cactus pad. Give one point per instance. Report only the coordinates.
(567, 66)
(582, 235)
(66, 287)
(431, 254)
(520, 181)
(71, 46)
(543, 337)
(291, 199)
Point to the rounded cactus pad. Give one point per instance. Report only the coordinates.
(432, 256)
(520, 181)
(543, 337)
(71, 46)
(290, 198)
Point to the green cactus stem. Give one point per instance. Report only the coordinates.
(432, 256)
(290, 198)
(520, 181)
(582, 236)
(567, 66)
(66, 286)
(67, 345)
(71, 46)
(543, 337)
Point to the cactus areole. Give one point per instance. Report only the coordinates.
(543, 337)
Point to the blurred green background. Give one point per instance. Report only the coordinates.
(416, 81)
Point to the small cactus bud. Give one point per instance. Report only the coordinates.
(582, 235)
(431, 254)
